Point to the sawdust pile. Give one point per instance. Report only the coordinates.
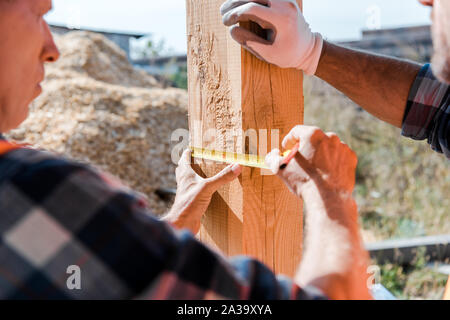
(96, 108)
(92, 55)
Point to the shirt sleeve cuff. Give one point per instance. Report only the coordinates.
(424, 101)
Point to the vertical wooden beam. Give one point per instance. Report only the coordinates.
(236, 102)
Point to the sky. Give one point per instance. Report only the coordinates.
(165, 19)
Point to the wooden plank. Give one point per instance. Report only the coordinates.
(243, 100)
(404, 251)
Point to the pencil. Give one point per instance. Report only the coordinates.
(290, 156)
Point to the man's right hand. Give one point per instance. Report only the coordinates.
(323, 161)
(323, 174)
(291, 43)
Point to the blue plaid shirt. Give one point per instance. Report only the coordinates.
(427, 113)
(56, 214)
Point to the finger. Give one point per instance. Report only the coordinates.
(332, 135)
(354, 158)
(273, 161)
(186, 158)
(232, 4)
(249, 12)
(306, 135)
(184, 169)
(225, 176)
(260, 49)
(244, 36)
(185, 173)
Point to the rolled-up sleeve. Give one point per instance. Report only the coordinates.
(427, 113)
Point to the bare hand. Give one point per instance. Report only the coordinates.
(323, 160)
(194, 193)
(323, 174)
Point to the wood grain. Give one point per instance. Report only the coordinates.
(231, 92)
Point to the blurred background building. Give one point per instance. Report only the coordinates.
(413, 43)
(122, 39)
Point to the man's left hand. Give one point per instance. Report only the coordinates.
(194, 193)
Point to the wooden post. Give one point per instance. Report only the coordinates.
(240, 104)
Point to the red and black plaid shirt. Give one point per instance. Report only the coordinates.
(427, 113)
(56, 213)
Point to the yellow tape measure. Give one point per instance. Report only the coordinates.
(246, 160)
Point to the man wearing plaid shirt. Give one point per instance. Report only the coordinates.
(68, 231)
(55, 214)
(60, 219)
(404, 94)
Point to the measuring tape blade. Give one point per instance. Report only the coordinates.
(246, 160)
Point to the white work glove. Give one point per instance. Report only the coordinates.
(291, 43)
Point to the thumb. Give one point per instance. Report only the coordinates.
(261, 50)
(225, 176)
(273, 160)
(185, 158)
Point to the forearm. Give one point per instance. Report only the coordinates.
(334, 260)
(378, 84)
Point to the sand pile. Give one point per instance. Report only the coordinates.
(124, 130)
(92, 55)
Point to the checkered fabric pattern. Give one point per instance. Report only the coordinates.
(55, 213)
(427, 113)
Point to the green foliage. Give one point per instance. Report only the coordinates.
(418, 281)
(180, 79)
(393, 279)
(148, 47)
(402, 185)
